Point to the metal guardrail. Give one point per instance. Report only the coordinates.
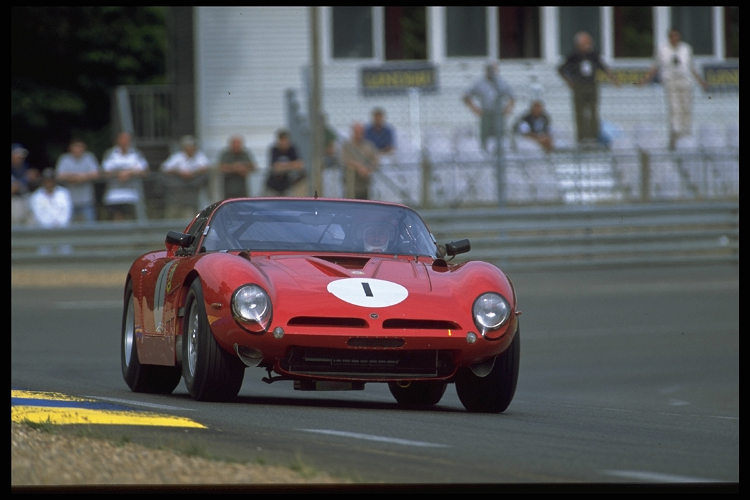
(513, 238)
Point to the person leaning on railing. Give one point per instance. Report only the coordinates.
(78, 170)
(124, 166)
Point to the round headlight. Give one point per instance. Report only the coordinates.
(251, 304)
(490, 311)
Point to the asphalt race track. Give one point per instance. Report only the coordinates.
(628, 376)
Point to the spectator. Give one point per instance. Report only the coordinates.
(380, 133)
(235, 163)
(491, 99)
(360, 159)
(286, 171)
(674, 63)
(124, 165)
(78, 169)
(51, 204)
(535, 126)
(23, 180)
(330, 144)
(186, 179)
(579, 73)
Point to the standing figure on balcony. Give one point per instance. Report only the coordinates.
(125, 167)
(491, 99)
(674, 64)
(579, 71)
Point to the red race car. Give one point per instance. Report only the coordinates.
(329, 293)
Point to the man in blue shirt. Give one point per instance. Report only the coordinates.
(380, 133)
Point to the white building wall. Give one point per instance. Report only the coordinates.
(246, 58)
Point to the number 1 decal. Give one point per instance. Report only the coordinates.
(377, 293)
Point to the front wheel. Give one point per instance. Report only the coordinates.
(419, 393)
(494, 392)
(141, 378)
(210, 373)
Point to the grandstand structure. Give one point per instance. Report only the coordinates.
(435, 132)
(248, 71)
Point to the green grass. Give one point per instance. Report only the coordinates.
(47, 427)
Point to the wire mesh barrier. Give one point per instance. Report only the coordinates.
(564, 177)
(439, 160)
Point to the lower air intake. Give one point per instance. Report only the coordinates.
(360, 363)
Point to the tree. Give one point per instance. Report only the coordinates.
(65, 63)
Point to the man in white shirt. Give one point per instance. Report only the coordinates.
(51, 205)
(186, 179)
(674, 63)
(125, 166)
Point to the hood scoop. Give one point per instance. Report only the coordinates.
(347, 262)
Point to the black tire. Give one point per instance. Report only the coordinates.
(493, 393)
(210, 373)
(155, 379)
(419, 393)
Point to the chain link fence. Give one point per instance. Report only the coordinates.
(439, 161)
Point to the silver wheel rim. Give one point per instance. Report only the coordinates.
(192, 338)
(127, 338)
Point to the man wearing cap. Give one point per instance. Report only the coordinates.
(23, 180)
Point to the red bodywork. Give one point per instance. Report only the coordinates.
(433, 319)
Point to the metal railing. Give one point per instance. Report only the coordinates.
(146, 111)
(514, 238)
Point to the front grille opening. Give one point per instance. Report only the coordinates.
(421, 324)
(327, 322)
(363, 364)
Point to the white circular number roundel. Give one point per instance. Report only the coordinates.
(368, 292)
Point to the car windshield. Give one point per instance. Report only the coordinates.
(317, 226)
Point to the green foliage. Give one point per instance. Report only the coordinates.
(65, 63)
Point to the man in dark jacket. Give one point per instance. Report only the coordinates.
(579, 72)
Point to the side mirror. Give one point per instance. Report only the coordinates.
(176, 241)
(456, 247)
(182, 240)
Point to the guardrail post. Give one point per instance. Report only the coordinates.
(426, 175)
(644, 162)
(140, 205)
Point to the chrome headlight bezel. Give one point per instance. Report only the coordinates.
(251, 307)
(490, 312)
